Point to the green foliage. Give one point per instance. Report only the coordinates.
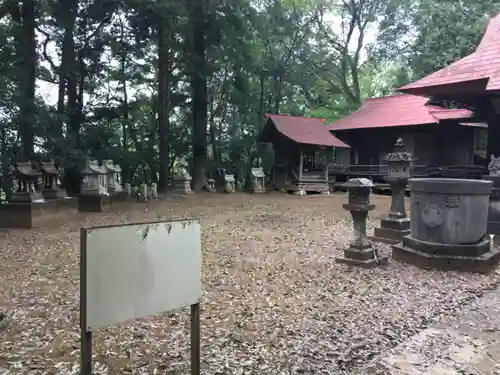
(297, 57)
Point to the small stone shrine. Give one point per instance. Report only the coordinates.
(114, 181)
(26, 180)
(258, 181)
(494, 208)
(182, 182)
(448, 226)
(113, 176)
(25, 201)
(229, 183)
(360, 252)
(396, 224)
(94, 196)
(51, 181)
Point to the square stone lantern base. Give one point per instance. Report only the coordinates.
(477, 258)
(391, 230)
(365, 257)
(93, 202)
(25, 215)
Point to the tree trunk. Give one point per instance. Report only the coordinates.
(24, 16)
(163, 87)
(199, 93)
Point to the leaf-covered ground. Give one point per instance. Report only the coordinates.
(274, 301)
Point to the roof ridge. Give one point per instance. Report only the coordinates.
(267, 115)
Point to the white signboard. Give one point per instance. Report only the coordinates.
(138, 270)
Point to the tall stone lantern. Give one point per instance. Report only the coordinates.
(360, 252)
(396, 224)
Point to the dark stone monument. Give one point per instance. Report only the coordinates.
(448, 226)
(210, 185)
(494, 208)
(360, 252)
(396, 225)
(94, 196)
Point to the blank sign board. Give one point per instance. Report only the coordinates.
(133, 271)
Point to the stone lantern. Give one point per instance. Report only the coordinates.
(396, 224)
(360, 252)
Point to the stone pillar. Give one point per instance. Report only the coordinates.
(182, 182)
(128, 189)
(153, 191)
(229, 183)
(360, 252)
(396, 224)
(142, 194)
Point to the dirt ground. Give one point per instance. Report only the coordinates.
(274, 300)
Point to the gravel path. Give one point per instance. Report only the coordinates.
(468, 343)
(274, 301)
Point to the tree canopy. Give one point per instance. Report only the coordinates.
(155, 83)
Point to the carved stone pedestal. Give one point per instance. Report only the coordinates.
(360, 252)
(93, 202)
(258, 181)
(396, 225)
(182, 182)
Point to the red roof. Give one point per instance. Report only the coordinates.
(305, 130)
(478, 72)
(397, 110)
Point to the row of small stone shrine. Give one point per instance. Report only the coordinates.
(36, 190)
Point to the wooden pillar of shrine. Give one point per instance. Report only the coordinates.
(492, 115)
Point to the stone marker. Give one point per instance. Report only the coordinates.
(182, 182)
(128, 189)
(153, 191)
(396, 225)
(143, 193)
(258, 181)
(360, 252)
(448, 226)
(229, 183)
